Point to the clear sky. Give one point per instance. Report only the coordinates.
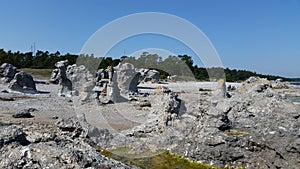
(256, 35)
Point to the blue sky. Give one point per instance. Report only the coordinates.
(256, 35)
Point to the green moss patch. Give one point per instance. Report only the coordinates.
(160, 160)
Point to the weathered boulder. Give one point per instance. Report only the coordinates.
(104, 85)
(173, 104)
(153, 76)
(254, 84)
(7, 72)
(227, 124)
(220, 91)
(102, 74)
(279, 84)
(25, 113)
(82, 82)
(23, 82)
(60, 75)
(79, 127)
(69, 124)
(127, 78)
(124, 82)
(171, 110)
(78, 73)
(149, 75)
(252, 79)
(54, 76)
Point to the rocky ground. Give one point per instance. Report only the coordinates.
(44, 139)
(257, 127)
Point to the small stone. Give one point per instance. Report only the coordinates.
(144, 103)
(4, 91)
(54, 117)
(25, 113)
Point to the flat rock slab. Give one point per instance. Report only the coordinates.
(25, 113)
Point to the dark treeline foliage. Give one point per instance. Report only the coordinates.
(41, 60)
(94, 63)
(171, 65)
(181, 65)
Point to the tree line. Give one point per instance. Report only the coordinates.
(41, 59)
(181, 65)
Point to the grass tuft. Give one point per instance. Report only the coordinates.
(204, 90)
(236, 133)
(38, 73)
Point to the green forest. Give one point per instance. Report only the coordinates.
(181, 65)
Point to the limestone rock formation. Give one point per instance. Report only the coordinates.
(254, 129)
(279, 84)
(171, 109)
(82, 82)
(220, 91)
(54, 76)
(118, 84)
(7, 72)
(60, 75)
(127, 78)
(149, 75)
(44, 146)
(104, 84)
(110, 85)
(23, 82)
(254, 84)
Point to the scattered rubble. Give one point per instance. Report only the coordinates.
(43, 146)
